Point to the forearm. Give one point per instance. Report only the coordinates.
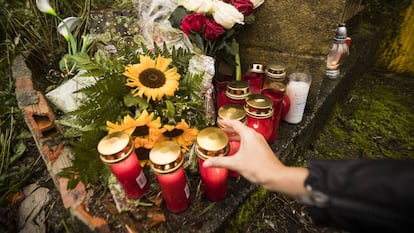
(289, 181)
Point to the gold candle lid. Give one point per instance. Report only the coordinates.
(112, 146)
(275, 72)
(212, 141)
(259, 106)
(231, 112)
(166, 157)
(237, 89)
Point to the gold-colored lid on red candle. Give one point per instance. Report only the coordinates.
(211, 142)
(115, 147)
(166, 157)
(231, 112)
(259, 106)
(237, 89)
(275, 72)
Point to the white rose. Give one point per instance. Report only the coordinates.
(199, 6)
(226, 15)
(257, 3)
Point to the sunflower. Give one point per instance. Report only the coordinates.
(151, 78)
(181, 133)
(145, 130)
(128, 125)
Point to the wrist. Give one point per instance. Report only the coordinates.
(288, 180)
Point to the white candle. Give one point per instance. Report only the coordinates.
(297, 89)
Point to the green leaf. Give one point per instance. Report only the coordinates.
(19, 149)
(177, 16)
(170, 109)
(250, 19)
(131, 101)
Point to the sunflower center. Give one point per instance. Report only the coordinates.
(141, 131)
(173, 133)
(152, 78)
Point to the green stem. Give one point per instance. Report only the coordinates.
(237, 59)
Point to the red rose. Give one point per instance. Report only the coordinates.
(212, 30)
(243, 6)
(192, 23)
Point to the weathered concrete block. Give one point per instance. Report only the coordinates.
(285, 31)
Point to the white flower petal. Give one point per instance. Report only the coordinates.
(226, 15)
(257, 3)
(199, 6)
(68, 23)
(44, 6)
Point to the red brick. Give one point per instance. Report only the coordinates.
(71, 197)
(52, 155)
(96, 223)
(23, 85)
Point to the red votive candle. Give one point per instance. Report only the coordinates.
(118, 152)
(166, 163)
(237, 91)
(259, 111)
(277, 98)
(212, 141)
(221, 97)
(254, 77)
(232, 112)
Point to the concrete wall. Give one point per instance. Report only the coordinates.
(296, 33)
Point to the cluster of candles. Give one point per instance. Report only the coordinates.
(267, 96)
(118, 152)
(260, 101)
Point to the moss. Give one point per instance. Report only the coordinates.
(374, 124)
(246, 211)
(396, 51)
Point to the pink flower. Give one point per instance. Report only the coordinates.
(212, 29)
(192, 23)
(244, 6)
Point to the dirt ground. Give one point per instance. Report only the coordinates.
(376, 121)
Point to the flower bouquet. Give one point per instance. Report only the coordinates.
(148, 94)
(212, 26)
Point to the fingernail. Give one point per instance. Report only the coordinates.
(207, 163)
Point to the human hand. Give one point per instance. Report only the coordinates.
(256, 162)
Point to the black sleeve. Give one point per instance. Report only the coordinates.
(363, 195)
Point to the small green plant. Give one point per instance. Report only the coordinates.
(67, 64)
(13, 173)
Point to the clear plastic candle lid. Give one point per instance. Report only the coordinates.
(165, 157)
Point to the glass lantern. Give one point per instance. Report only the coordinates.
(337, 53)
(254, 77)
